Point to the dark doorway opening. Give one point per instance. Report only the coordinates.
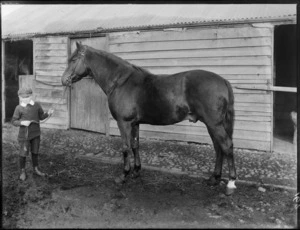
(18, 61)
(285, 60)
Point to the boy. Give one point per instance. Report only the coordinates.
(27, 116)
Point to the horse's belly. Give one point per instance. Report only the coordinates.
(165, 115)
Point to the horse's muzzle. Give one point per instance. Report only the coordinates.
(66, 81)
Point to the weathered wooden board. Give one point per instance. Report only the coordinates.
(241, 113)
(254, 107)
(254, 98)
(49, 73)
(216, 33)
(54, 39)
(51, 100)
(51, 46)
(45, 85)
(190, 44)
(258, 70)
(214, 61)
(51, 59)
(58, 107)
(51, 53)
(48, 79)
(245, 91)
(54, 93)
(247, 77)
(50, 66)
(259, 126)
(186, 53)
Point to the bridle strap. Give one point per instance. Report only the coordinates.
(82, 55)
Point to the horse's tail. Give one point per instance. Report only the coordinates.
(229, 115)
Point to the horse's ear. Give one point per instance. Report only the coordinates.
(78, 45)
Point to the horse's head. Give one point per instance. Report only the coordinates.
(76, 68)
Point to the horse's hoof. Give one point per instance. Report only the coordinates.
(229, 191)
(212, 181)
(135, 174)
(120, 180)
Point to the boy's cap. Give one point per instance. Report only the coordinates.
(25, 92)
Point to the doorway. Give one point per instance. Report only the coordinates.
(285, 102)
(89, 109)
(18, 61)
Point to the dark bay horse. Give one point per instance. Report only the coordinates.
(136, 96)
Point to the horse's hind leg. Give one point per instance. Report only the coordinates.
(216, 177)
(225, 142)
(126, 135)
(135, 149)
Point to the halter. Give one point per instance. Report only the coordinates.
(81, 55)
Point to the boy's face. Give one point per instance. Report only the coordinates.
(25, 100)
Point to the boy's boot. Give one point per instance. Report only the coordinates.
(36, 171)
(22, 167)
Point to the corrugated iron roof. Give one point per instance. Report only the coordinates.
(52, 19)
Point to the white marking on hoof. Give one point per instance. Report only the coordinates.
(231, 184)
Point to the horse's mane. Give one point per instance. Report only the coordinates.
(119, 60)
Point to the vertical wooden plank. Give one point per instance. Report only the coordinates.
(68, 93)
(3, 82)
(271, 82)
(107, 123)
(33, 56)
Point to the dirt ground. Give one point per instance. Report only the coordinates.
(81, 193)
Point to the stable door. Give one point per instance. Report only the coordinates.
(89, 110)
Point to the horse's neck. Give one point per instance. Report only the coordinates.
(106, 70)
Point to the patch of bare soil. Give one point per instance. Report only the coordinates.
(79, 193)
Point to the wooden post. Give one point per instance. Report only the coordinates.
(3, 82)
(68, 93)
(107, 123)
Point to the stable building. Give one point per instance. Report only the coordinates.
(252, 46)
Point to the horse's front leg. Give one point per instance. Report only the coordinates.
(135, 149)
(126, 135)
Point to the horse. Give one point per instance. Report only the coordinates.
(15, 66)
(136, 96)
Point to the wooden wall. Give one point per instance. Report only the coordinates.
(50, 61)
(243, 55)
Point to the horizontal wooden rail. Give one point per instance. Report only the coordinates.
(270, 88)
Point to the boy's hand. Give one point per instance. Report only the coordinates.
(50, 111)
(25, 123)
